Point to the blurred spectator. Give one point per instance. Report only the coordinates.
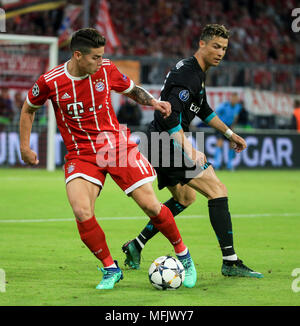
(243, 118)
(130, 113)
(296, 116)
(262, 78)
(260, 30)
(36, 23)
(260, 33)
(6, 110)
(228, 112)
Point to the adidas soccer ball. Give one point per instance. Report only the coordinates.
(166, 273)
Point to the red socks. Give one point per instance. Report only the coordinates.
(94, 238)
(165, 223)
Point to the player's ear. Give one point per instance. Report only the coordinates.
(201, 44)
(77, 54)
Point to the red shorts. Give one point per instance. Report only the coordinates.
(128, 168)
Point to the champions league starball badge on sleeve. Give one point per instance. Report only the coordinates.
(35, 90)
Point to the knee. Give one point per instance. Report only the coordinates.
(151, 209)
(82, 212)
(219, 191)
(187, 200)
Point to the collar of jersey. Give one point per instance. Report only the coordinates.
(73, 77)
(197, 64)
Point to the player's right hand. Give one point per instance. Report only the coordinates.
(237, 143)
(29, 156)
(200, 158)
(162, 106)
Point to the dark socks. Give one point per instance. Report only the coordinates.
(221, 222)
(150, 231)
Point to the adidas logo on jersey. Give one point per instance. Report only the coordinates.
(65, 96)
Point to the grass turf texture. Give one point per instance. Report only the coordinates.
(47, 264)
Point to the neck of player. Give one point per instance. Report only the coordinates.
(74, 70)
(204, 66)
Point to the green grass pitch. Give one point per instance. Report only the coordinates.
(46, 263)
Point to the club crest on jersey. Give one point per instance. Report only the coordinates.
(35, 90)
(99, 86)
(71, 168)
(184, 95)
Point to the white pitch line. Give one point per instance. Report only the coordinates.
(144, 217)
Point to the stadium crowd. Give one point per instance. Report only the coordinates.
(260, 33)
(260, 30)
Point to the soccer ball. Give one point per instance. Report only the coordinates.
(166, 273)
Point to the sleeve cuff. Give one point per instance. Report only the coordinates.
(129, 88)
(32, 105)
(175, 129)
(212, 115)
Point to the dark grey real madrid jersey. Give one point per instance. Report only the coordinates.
(184, 88)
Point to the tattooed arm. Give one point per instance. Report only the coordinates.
(143, 97)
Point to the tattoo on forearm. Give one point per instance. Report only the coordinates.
(140, 95)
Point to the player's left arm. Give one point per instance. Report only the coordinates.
(210, 117)
(236, 142)
(143, 97)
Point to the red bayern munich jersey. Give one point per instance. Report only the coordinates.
(82, 105)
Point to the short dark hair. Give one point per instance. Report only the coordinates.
(85, 39)
(211, 30)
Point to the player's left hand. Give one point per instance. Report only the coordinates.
(237, 143)
(162, 106)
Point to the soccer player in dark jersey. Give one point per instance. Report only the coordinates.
(79, 90)
(184, 88)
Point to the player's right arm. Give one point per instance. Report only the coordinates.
(26, 121)
(196, 156)
(172, 124)
(36, 97)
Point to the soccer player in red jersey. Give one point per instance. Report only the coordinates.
(79, 90)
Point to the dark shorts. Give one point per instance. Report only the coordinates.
(171, 163)
(170, 177)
